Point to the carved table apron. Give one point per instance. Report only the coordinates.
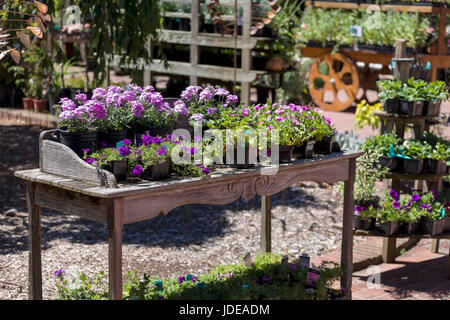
(135, 202)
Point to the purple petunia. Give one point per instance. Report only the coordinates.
(90, 160)
(415, 197)
(393, 194)
(161, 151)
(137, 170)
(181, 279)
(59, 273)
(396, 204)
(126, 142)
(85, 150)
(124, 151)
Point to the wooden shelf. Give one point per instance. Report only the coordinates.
(380, 233)
(405, 118)
(383, 7)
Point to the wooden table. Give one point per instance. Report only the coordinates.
(133, 202)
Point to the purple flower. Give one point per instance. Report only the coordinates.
(98, 94)
(207, 94)
(90, 160)
(126, 142)
(198, 117)
(180, 107)
(137, 109)
(245, 111)
(59, 273)
(67, 104)
(103, 144)
(212, 110)
(85, 150)
(99, 110)
(396, 204)
(147, 140)
(137, 170)
(221, 92)
(114, 89)
(393, 194)
(231, 99)
(81, 98)
(161, 151)
(124, 151)
(415, 197)
(181, 279)
(193, 150)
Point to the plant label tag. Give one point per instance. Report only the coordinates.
(312, 277)
(356, 31)
(248, 259)
(304, 261)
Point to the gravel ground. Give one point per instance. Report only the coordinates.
(190, 239)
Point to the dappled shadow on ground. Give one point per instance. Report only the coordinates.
(415, 278)
(191, 224)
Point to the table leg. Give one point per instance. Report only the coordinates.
(347, 233)
(435, 245)
(389, 249)
(115, 226)
(266, 225)
(34, 246)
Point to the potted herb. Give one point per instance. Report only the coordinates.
(388, 94)
(433, 221)
(412, 97)
(108, 159)
(390, 213)
(435, 92)
(415, 152)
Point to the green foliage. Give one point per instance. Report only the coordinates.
(348, 140)
(81, 287)
(364, 115)
(414, 89)
(322, 25)
(113, 32)
(267, 278)
(382, 143)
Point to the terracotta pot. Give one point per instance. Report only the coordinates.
(27, 103)
(40, 105)
(275, 64)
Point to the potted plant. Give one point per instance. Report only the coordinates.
(412, 97)
(415, 152)
(40, 104)
(435, 161)
(78, 124)
(386, 145)
(435, 92)
(388, 94)
(323, 134)
(108, 159)
(390, 213)
(155, 158)
(434, 217)
(411, 213)
(365, 217)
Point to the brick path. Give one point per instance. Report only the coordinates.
(417, 274)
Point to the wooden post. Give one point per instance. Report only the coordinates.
(194, 54)
(147, 71)
(347, 231)
(266, 224)
(246, 62)
(389, 249)
(115, 225)
(401, 70)
(34, 246)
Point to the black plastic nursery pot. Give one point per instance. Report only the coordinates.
(390, 227)
(305, 150)
(435, 166)
(410, 227)
(324, 146)
(77, 141)
(156, 172)
(285, 153)
(413, 166)
(395, 164)
(363, 223)
(432, 227)
(111, 138)
(411, 108)
(118, 168)
(392, 106)
(432, 108)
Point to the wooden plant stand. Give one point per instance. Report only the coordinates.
(394, 123)
(124, 203)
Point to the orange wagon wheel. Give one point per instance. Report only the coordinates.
(333, 82)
